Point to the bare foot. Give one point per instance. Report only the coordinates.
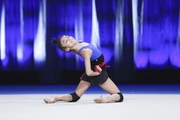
(50, 99)
(102, 99)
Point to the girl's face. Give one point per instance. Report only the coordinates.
(68, 42)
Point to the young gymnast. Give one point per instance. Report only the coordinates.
(95, 72)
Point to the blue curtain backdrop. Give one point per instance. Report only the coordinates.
(133, 35)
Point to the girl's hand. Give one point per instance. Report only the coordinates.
(98, 69)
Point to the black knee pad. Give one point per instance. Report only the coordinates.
(75, 97)
(121, 97)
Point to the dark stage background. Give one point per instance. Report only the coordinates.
(139, 38)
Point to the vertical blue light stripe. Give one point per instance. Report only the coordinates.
(40, 41)
(20, 42)
(178, 36)
(119, 30)
(78, 25)
(2, 34)
(95, 40)
(135, 24)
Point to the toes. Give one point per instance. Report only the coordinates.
(102, 99)
(50, 100)
(97, 100)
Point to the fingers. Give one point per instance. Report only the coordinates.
(98, 69)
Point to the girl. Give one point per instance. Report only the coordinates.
(95, 72)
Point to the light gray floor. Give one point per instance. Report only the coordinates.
(134, 107)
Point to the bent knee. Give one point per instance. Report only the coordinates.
(121, 97)
(75, 97)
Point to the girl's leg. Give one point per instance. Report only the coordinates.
(112, 89)
(81, 88)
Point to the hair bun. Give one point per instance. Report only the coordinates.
(54, 41)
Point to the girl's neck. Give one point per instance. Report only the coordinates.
(78, 45)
